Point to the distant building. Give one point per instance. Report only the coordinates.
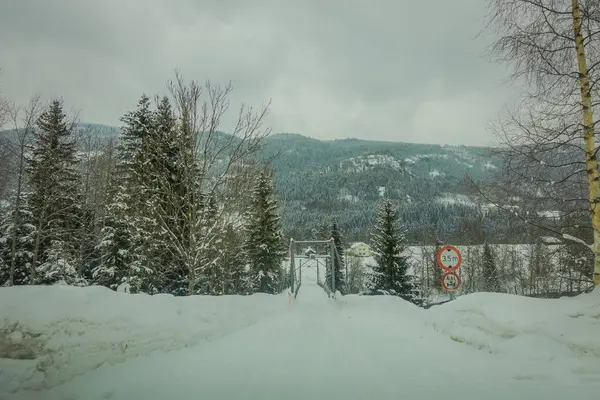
(360, 249)
(310, 252)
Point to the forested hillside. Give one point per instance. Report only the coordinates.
(345, 179)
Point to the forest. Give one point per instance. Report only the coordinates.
(163, 208)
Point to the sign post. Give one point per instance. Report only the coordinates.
(449, 259)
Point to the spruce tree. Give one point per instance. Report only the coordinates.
(390, 274)
(25, 237)
(55, 201)
(118, 262)
(58, 266)
(264, 246)
(163, 183)
(338, 262)
(232, 261)
(491, 281)
(213, 274)
(126, 240)
(132, 163)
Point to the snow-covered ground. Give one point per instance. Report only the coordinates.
(481, 346)
(49, 335)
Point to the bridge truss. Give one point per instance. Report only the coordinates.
(302, 259)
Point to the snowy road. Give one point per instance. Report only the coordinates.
(321, 349)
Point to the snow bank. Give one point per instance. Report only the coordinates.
(50, 334)
(545, 330)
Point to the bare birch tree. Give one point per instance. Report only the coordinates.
(550, 147)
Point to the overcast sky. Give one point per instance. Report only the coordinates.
(398, 70)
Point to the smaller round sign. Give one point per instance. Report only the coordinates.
(450, 281)
(449, 258)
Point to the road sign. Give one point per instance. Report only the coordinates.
(450, 281)
(449, 258)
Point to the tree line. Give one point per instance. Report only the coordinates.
(166, 208)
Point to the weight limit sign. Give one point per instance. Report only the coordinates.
(450, 281)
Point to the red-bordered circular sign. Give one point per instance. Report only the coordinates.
(450, 281)
(449, 258)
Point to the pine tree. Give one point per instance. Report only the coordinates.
(58, 267)
(25, 235)
(25, 239)
(125, 244)
(491, 281)
(232, 260)
(213, 274)
(55, 201)
(163, 182)
(133, 160)
(118, 263)
(390, 273)
(263, 246)
(338, 264)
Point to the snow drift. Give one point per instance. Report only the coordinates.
(48, 335)
(542, 331)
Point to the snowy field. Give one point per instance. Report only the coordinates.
(91, 343)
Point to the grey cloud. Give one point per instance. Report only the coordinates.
(389, 70)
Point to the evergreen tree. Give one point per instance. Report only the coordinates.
(133, 155)
(264, 246)
(25, 237)
(58, 267)
(55, 201)
(232, 261)
(491, 281)
(390, 273)
(136, 156)
(213, 274)
(126, 245)
(163, 182)
(118, 261)
(338, 262)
